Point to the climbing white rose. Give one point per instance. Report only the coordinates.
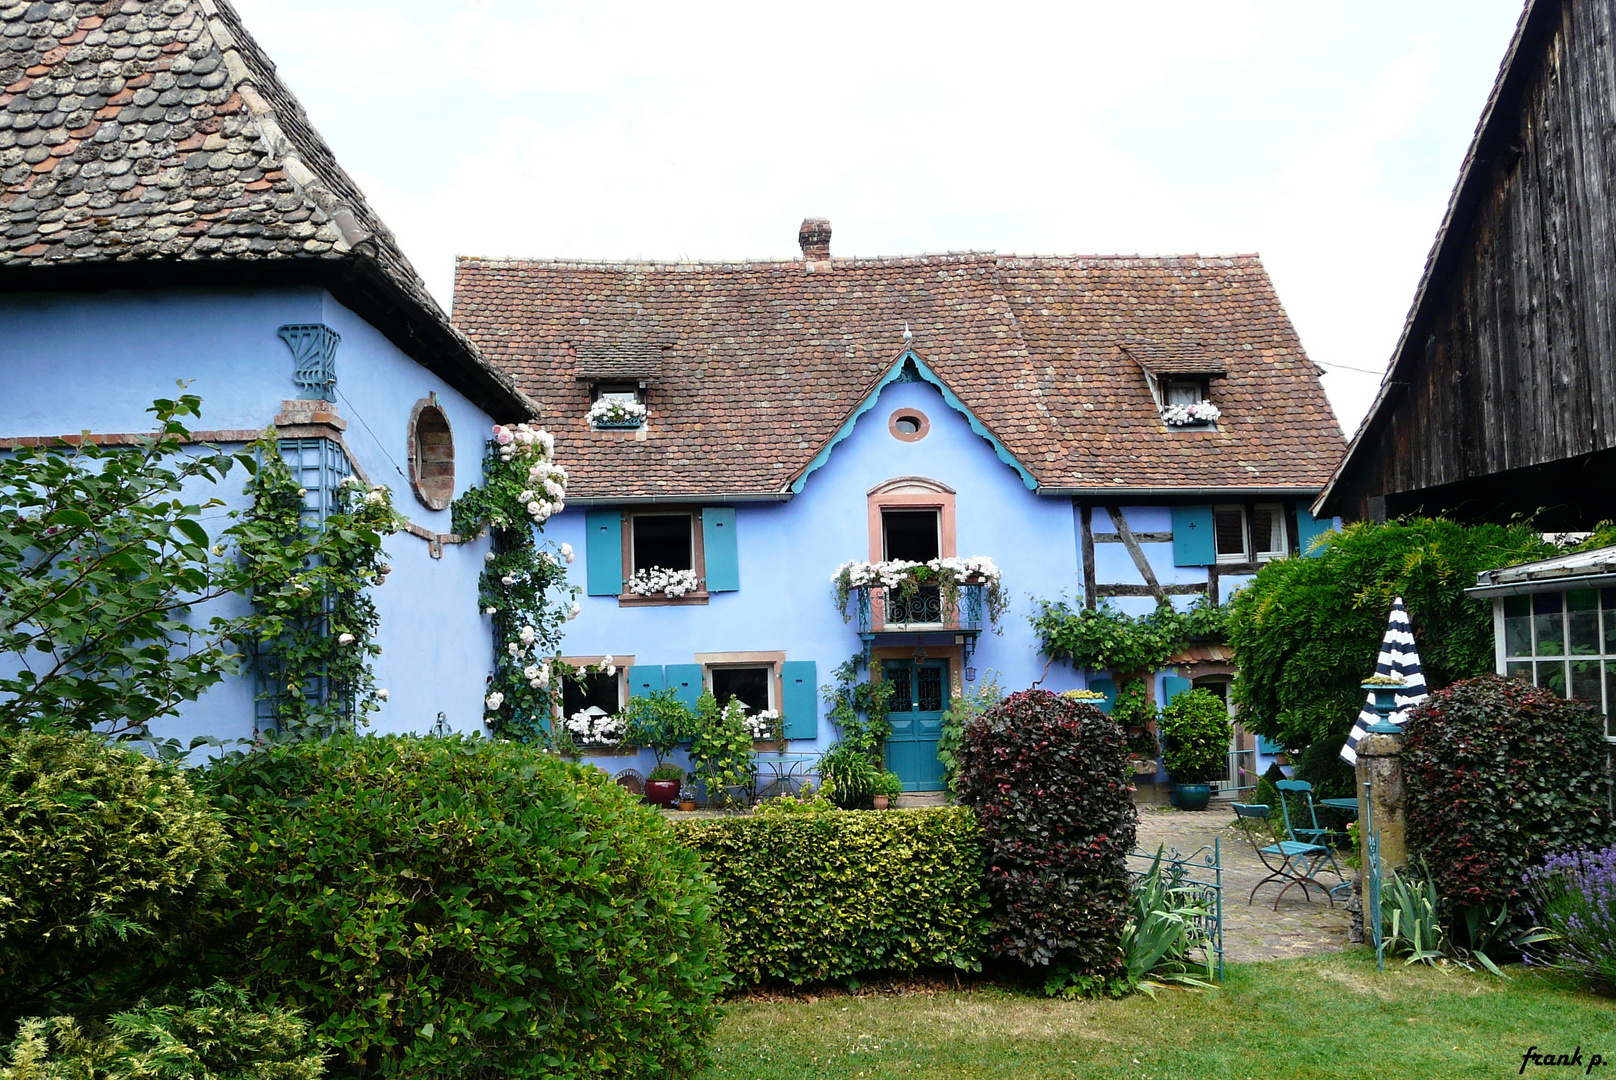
(345, 639)
(566, 553)
(495, 700)
(574, 611)
(507, 580)
(381, 695)
(489, 610)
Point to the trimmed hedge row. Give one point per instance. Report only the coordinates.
(833, 894)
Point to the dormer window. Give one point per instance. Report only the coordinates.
(1180, 380)
(617, 405)
(1183, 391)
(1185, 404)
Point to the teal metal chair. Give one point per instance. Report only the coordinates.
(1290, 861)
(1307, 830)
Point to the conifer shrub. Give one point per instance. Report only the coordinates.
(105, 856)
(833, 894)
(453, 907)
(1501, 775)
(1048, 777)
(215, 1034)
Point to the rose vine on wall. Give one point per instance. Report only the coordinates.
(523, 588)
(313, 626)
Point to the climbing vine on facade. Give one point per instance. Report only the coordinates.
(313, 627)
(523, 588)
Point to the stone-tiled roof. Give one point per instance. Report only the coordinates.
(148, 142)
(612, 361)
(1181, 360)
(767, 359)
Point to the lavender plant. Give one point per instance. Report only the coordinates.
(1574, 899)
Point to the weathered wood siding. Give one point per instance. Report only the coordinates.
(1511, 358)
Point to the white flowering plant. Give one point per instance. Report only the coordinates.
(903, 579)
(523, 589)
(313, 629)
(1199, 412)
(656, 579)
(616, 412)
(594, 726)
(765, 724)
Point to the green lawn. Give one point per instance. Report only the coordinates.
(1331, 1017)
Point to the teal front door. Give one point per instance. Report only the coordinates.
(919, 698)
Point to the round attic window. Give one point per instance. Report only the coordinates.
(431, 452)
(908, 425)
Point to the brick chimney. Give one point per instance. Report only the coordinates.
(814, 236)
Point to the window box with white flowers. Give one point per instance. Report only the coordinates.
(615, 412)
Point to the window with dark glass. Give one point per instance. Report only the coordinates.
(911, 535)
(1268, 539)
(617, 391)
(750, 684)
(1183, 391)
(1229, 534)
(596, 689)
(662, 540)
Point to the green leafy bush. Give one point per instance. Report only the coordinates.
(216, 1035)
(833, 894)
(1195, 737)
(104, 855)
(1306, 630)
(849, 776)
(658, 721)
(961, 710)
(1500, 776)
(1048, 777)
(463, 908)
(721, 746)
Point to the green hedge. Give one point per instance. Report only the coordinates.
(834, 894)
(454, 907)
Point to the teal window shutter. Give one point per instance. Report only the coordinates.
(1193, 543)
(1172, 686)
(1266, 745)
(685, 682)
(603, 551)
(718, 542)
(644, 679)
(1108, 687)
(799, 698)
(1310, 528)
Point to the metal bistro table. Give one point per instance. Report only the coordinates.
(1346, 806)
(782, 770)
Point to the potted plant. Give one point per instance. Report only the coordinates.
(659, 722)
(887, 788)
(662, 784)
(1142, 751)
(1195, 746)
(687, 797)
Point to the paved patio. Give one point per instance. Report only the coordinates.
(1250, 931)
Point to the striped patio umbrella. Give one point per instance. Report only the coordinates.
(1397, 657)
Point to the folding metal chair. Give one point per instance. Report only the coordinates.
(1308, 831)
(1290, 861)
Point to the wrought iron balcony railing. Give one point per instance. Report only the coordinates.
(924, 608)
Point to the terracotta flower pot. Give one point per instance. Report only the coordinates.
(662, 792)
(688, 804)
(882, 802)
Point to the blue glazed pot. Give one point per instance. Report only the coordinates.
(1191, 796)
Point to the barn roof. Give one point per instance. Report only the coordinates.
(151, 142)
(762, 363)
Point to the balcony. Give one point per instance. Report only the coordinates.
(921, 610)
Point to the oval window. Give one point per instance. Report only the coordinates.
(909, 425)
(431, 454)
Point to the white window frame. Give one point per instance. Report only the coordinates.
(1281, 532)
(1536, 664)
(1244, 555)
(770, 661)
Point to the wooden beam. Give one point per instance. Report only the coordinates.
(1192, 589)
(1085, 514)
(1136, 553)
(1142, 537)
(1212, 584)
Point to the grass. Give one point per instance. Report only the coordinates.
(1330, 1017)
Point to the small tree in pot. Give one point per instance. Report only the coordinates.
(659, 722)
(1195, 746)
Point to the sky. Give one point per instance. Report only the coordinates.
(1324, 135)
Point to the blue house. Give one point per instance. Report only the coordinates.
(168, 213)
(1107, 429)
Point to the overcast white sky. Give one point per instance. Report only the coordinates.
(1323, 134)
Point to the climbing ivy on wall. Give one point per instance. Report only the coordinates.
(313, 627)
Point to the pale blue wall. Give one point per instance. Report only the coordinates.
(73, 362)
(788, 552)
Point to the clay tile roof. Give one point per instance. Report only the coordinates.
(151, 142)
(770, 358)
(606, 361)
(1182, 359)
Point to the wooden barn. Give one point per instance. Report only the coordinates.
(1501, 395)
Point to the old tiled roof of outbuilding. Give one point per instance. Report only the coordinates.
(762, 362)
(151, 142)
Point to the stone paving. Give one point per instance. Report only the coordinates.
(1252, 931)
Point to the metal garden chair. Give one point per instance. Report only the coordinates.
(1290, 861)
(1307, 830)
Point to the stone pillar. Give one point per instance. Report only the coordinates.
(1380, 764)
